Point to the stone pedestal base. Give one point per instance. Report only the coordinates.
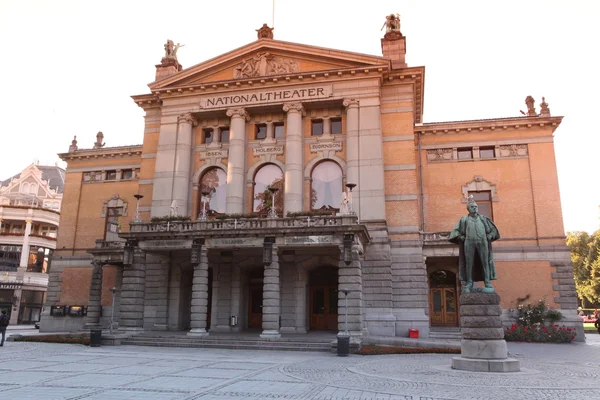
(270, 335)
(483, 365)
(483, 349)
(198, 332)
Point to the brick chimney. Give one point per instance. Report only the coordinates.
(393, 45)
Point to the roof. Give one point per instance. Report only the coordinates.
(53, 174)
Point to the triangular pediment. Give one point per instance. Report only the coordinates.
(268, 58)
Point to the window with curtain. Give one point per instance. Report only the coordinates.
(267, 176)
(214, 180)
(326, 186)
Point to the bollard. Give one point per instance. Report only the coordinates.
(95, 337)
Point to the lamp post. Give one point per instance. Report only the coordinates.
(343, 341)
(273, 211)
(205, 200)
(350, 186)
(137, 207)
(114, 291)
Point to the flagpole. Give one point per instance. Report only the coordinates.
(273, 17)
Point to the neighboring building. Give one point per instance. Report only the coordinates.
(29, 213)
(333, 131)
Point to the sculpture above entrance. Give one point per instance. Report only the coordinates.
(263, 64)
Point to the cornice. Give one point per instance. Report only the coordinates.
(107, 152)
(500, 124)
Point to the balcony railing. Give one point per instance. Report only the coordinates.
(245, 224)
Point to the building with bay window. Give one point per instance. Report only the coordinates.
(275, 176)
(29, 215)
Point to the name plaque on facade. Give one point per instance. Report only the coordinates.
(308, 239)
(259, 151)
(11, 285)
(214, 153)
(165, 244)
(335, 146)
(266, 96)
(236, 242)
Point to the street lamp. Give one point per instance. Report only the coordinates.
(273, 211)
(350, 186)
(114, 291)
(205, 200)
(137, 207)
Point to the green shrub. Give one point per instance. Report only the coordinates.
(170, 218)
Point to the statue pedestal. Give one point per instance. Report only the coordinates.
(483, 348)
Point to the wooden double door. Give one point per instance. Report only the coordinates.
(323, 311)
(443, 306)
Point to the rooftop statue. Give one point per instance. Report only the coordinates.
(265, 32)
(99, 141)
(171, 49)
(474, 233)
(392, 27)
(530, 102)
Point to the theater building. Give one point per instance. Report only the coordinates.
(277, 178)
(29, 214)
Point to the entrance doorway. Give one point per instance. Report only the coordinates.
(324, 299)
(443, 308)
(255, 299)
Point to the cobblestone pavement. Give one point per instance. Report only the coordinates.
(57, 371)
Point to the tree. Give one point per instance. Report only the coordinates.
(585, 256)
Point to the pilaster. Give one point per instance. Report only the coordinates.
(294, 158)
(271, 298)
(94, 303)
(133, 293)
(199, 307)
(350, 279)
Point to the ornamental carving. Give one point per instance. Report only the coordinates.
(264, 64)
(189, 118)
(238, 112)
(439, 154)
(350, 103)
(294, 107)
(513, 150)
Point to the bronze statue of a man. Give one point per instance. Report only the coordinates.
(474, 234)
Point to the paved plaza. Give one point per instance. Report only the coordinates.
(59, 371)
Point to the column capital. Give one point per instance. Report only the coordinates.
(189, 118)
(294, 107)
(238, 112)
(350, 103)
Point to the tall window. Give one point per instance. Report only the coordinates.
(261, 132)
(25, 188)
(207, 135)
(316, 127)
(214, 180)
(484, 203)
(326, 186)
(113, 223)
(336, 126)
(279, 132)
(225, 134)
(268, 176)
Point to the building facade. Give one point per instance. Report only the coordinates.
(278, 181)
(29, 215)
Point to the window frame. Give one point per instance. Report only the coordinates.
(223, 130)
(316, 121)
(487, 148)
(335, 121)
(208, 135)
(484, 201)
(277, 125)
(257, 129)
(464, 150)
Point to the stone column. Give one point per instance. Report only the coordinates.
(300, 292)
(236, 160)
(132, 293)
(183, 164)
(294, 158)
(350, 277)
(271, 298)
(199, 308)
(352, 152)
(94, 309)
(25, 249)
(236, 294)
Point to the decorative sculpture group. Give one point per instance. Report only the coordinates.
(263, 64)
(171, 49)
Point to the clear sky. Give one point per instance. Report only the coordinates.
(69, 67)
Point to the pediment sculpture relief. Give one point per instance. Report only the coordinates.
(264, 64)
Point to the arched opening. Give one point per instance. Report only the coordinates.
(268, 176)
(213, 182)
(443, 307)
(326, 186)
(323, 283)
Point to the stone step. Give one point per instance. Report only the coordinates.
(445, 335)
(229, 344)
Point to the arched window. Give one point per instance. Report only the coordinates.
(214, 180)
(25, 188)
(326, 187)
(268, 176)
(33, 189)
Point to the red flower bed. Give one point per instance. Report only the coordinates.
(540, 334)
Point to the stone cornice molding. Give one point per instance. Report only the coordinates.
(487, 124)
(189, 118)
(294, 108)
(350, 103)
(105, 152)
(238, 112)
